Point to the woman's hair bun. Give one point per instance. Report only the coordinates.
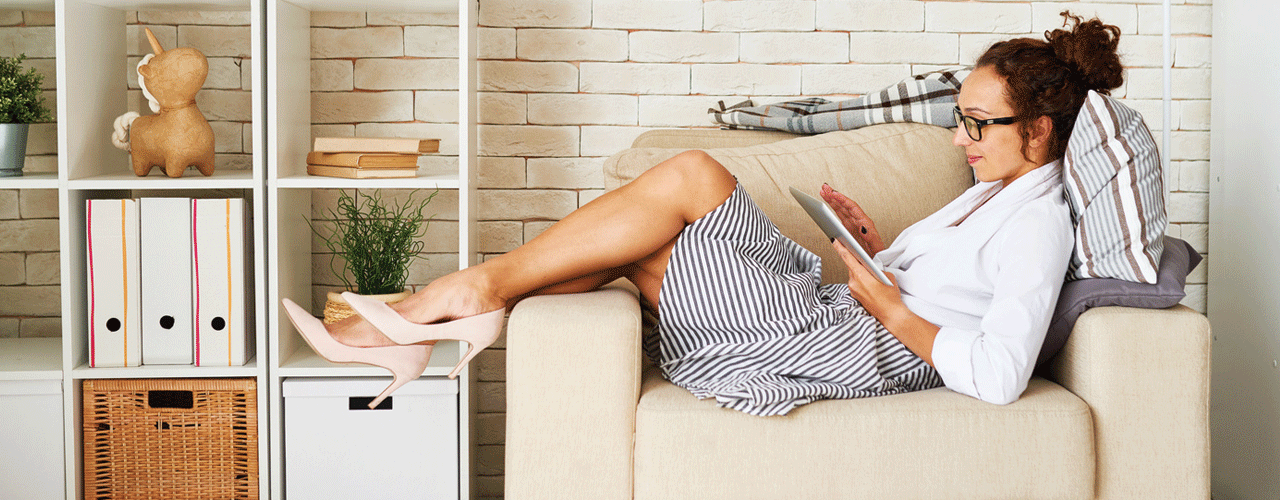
(1089, 49)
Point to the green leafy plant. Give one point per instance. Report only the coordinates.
(376, 238)
(20, 98)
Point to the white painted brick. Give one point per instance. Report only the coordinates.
(413, 18)
(1196, 114)
(1192, 83)
(528, 140)
(246, 131)
(13, 269)
(246, 76)
(566, 173)
(503, 109)
(229, 161)
(1152, 111)
(227, 136)
(1192, 51)
(1189, 145)
(519, 204)
(440, 106)
(327, 43)
(1196, 298)
(30, 301)
(34, 42)
(213, 17)
(672, 15)
(490, 486)
(662, 46)
(520, 76)
(1193, 176)
(582, 109)
(499, 236)
(29, 235)
(318, 130)
(230, 105)
(437, 165)
(534, 228)
(9, 204)
(973, 45)
(136, 43)
(492, 365)
(1184, 19)
(1197, 235)
(679, 111)
(332, 75)
(977, 17)
(42, 138)
(761, 15)
(446, 132)
(844, 15)
(224, 73)
(496, 43)
(500, 172)
(539, 13)
(337, 19)
(38, 18)
(851, 78)
(9, 327)
(214, 41)
(604, 141)
(491, 428)
(443, 207)
(50, 327)
(1188, 207)
(347, 107)
(41, 164)
(634, 78)
(933, 48)
(431, 41)
(48, 68)
(489, 460)
(795, 47)
(1045, 16)
(1145, 51)
(432, 267)
(746, 79)
(1144, 83)
(406, 74)
(43, 268)
(11, 17)
(571, 45)
(588, 195)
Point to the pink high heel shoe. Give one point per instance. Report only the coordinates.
(405, 362)
(478, 331)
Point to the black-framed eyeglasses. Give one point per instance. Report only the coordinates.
(973, 126)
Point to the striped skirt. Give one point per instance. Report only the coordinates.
(743, 317)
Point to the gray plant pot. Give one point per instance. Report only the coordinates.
(13, 148)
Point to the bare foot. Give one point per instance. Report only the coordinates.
(457, 295)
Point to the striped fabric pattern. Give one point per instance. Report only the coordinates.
(926, 98)
(744, 319)
(1114, 185)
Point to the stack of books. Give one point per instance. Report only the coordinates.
(368, 157)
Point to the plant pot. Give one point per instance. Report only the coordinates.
(13, 148)
(336, 309)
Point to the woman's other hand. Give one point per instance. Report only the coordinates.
(854, 219)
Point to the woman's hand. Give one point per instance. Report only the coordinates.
(854, 219)
(884, 302)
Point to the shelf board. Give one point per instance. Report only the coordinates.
(306, 363)
(221, 179)
(41, 5)
(172, 5)
(415, 6)
(30, 181)
(249, 370)
(447, 181)
(31, 359)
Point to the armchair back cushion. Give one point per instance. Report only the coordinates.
(898, 173)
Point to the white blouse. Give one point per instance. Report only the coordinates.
(991, 282)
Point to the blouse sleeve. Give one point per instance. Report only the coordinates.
(994, 363)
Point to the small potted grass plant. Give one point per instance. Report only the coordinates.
(21, 104)
(376, 239)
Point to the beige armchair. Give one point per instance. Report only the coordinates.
(1122, 413)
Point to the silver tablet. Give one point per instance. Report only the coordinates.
(833, 228)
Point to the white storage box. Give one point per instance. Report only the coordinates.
(31, 466)
(335, 447)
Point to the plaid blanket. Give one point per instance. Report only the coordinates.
(926, 98)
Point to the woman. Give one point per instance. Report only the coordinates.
(974, 283)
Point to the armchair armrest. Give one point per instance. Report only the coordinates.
(1145, 375)
(573, 382)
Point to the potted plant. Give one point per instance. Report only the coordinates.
(21, 103)
(376, 239)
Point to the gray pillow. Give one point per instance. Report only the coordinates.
(1177, 260)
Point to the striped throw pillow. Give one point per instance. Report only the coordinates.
(1115, 188)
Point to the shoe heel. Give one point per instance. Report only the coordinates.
(395, 384)
(472, 351)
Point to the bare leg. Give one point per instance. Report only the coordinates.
(628, 231)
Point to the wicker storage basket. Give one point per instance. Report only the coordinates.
(175, 439)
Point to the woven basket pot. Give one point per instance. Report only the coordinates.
(336, 309)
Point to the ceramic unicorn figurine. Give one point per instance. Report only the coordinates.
(178, 135)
